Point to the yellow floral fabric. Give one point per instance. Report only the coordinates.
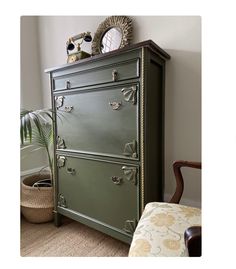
(160, 231)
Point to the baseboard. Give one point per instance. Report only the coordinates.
(184, 201)
(31, 171)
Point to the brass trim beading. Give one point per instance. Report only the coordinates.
(142, 133)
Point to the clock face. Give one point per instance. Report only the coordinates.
(72, 58)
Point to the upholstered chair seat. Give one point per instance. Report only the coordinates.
(169, 229)
(160, 231)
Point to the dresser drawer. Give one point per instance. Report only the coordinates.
(93, 76)
(105, 191)
(102, 121)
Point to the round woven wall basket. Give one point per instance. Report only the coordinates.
(36, 202)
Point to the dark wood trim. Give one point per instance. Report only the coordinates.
(192, 235)
(193, 241)
(148, 43)
(179, 178)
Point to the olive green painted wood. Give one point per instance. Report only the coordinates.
(111, 73)
(99, 190)
(96, 127)
(95, 62)
(95, 224)
(97, 157)
(154, 136)
(57, 217)
(95, 124)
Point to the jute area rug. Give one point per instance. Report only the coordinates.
(71, 239)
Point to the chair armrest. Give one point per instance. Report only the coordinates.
(179, 178)
(193, 241)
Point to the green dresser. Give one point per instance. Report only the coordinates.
(109, 137)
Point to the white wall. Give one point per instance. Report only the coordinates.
(31, 90)
(181, 38)
(54, 31)
(31, 94)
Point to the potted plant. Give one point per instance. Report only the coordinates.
(36, 190)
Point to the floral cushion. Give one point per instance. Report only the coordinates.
(160, 230)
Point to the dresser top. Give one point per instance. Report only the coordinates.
(148, 44)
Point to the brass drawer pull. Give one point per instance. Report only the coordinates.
(68, 85)
(114, 75)
(70, 171)
(116, 180)
(115, 105)
(68, 109)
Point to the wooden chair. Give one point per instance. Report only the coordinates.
(193, 241)
(169, 229)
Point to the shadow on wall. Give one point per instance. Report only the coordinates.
(183, 120)
(32, 160)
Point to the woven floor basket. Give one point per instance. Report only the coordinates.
(36, 203)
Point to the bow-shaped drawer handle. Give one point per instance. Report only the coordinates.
(70, 171)
(115, 105)
(68, 109)
(116, 180)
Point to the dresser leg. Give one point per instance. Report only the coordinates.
(57, 219)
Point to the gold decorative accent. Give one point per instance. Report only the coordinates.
(59, 101)
(124, 26)
(131, 149)
(76, 56)
(142, 133)
(130, 173)
(60, 143)
(130, 94)
(61, 161)
(61, 200)
(130, 226)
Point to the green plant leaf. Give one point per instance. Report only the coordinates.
(36, 128)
